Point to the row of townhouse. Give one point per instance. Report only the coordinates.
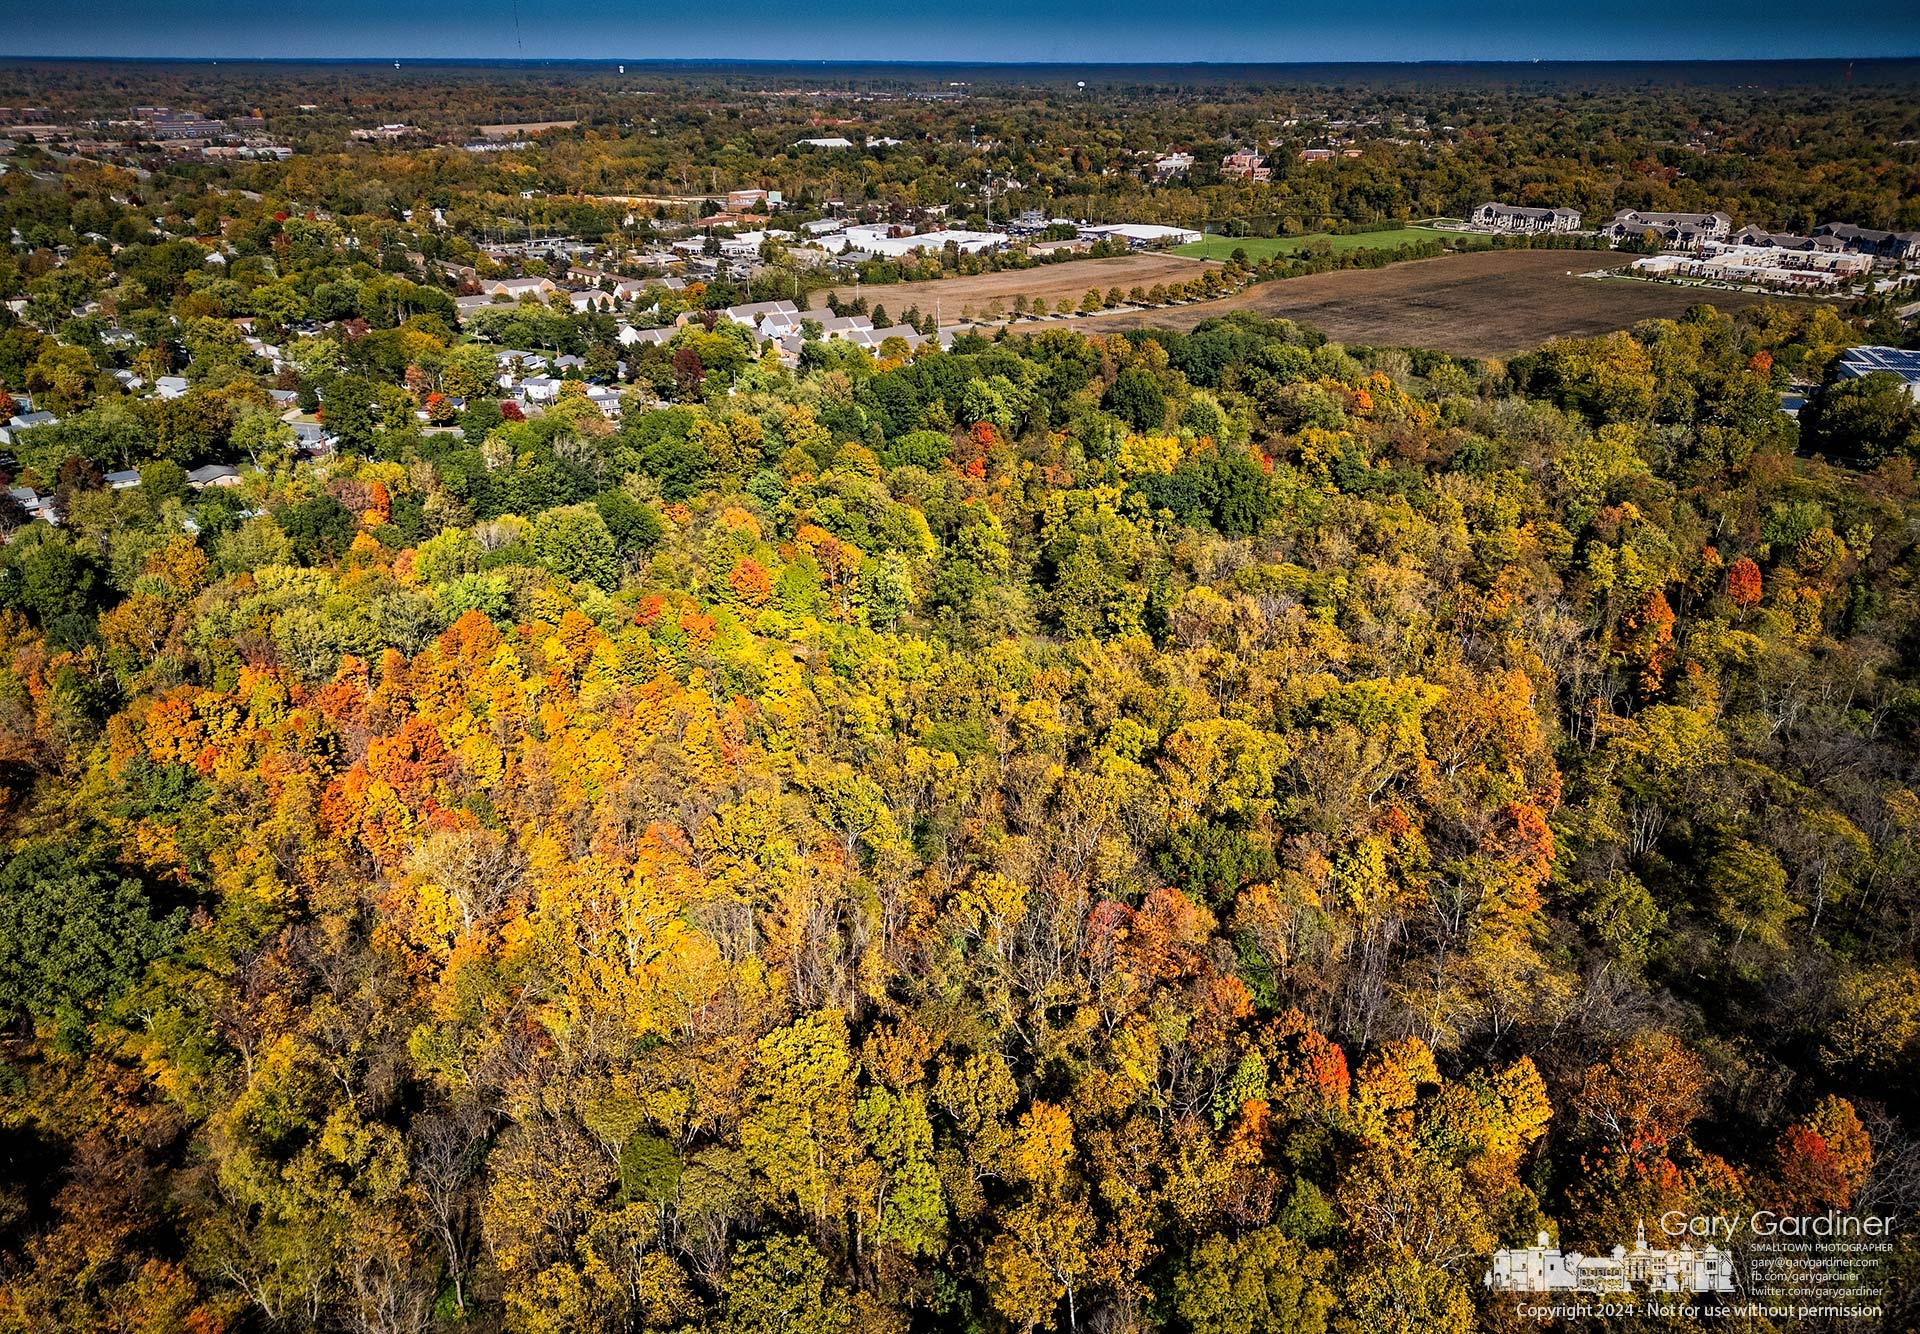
(1521, 220)
(1684, 231)
(1901, 247)
(1838, 238)
(1674, 231)
(1693, 231)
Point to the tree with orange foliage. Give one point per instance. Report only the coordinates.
(379, 505)
(1645, 1095)
(1309, 1072)
(1390, 1082)
(1648, 631)
(1743, 584)
(1821, 1162)
(750, 582)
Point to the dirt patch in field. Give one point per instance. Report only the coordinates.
(1490, 304)
(1068, 280)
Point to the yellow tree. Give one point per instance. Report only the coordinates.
(1045, 1253)
(796, 1125)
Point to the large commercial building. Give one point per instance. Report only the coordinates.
(1140, 235)
(891, 242)
(1761, 266)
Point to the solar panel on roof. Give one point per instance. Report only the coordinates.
(1904, 362)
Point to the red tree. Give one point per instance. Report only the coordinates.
(1743, 584)
(688, 372)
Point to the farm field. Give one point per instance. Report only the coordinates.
(1494, 303)
(1069, 280)
(1263, 247)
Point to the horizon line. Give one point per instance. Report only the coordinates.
(915, 63)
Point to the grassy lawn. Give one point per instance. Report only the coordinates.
(1260, 247)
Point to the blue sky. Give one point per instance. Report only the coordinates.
(1034, 30)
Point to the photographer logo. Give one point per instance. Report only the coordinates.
(1544, 1267)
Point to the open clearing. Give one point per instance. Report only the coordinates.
(1067, 279)
(1262, 247)
(1490, 304)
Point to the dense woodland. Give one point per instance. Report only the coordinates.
(1787, 146)
(1201, 832)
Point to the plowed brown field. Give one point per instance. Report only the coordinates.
(1495, 303)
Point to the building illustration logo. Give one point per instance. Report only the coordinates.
(1543, 1267)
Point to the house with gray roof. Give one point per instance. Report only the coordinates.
(1527, 221)
(1760, 236)
(1898, 246)
(1674, 231)
(212, 474)
(36, 505)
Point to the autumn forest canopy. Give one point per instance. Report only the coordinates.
(1209, 832)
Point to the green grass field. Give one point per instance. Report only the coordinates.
(1261, 247)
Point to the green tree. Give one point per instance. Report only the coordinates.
(471, 371)
(1137, 399)
(634, 527)
(320, 527)
(75, 935)
(885, 590)
(574, 543)
(189, 428)
(254, 545)
(45, 573)
(1870, 418)
(349, 409)
(62, 377)
(796, 1121)
(164, 480)
(1748, 889)
(263, 437)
